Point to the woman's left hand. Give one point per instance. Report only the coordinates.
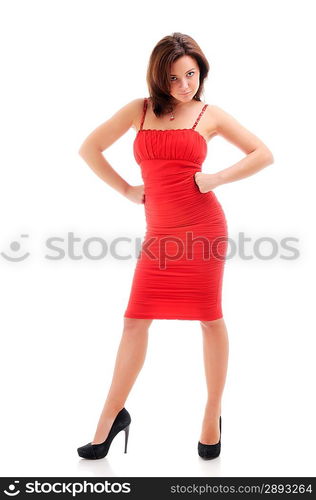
(206, 182)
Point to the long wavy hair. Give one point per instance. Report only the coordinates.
(165, 52)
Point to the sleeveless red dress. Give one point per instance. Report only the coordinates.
(179, 270)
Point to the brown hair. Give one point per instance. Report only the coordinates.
(166, 51)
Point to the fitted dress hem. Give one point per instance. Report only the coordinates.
(165, 316)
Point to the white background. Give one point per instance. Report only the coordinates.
(67, 66)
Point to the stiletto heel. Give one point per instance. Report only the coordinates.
(96, 451)
(126, 437)
(208, 451)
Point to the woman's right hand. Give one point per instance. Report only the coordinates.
(136, 193)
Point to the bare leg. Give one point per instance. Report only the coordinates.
(129, 361)
(216, 350)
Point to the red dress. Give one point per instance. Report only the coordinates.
(179, 271)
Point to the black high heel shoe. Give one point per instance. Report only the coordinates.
(209, 451)
(95, 451)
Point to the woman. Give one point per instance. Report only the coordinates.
(179, 272)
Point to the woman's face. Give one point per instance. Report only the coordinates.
(184, 79)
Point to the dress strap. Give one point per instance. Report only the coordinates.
(198, 118)
(144, 113)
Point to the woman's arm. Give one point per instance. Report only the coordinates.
(103, 137)
(258, 154)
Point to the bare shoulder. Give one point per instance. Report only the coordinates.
(133, 110)
(218, 113)
(231, 129)
(115, 126)
(210, 120)
(221, 118)
(215, 114)
(138, 108)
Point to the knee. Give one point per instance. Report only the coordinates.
(212, 326)
(135, 325)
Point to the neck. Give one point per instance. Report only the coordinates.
(178, 104)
